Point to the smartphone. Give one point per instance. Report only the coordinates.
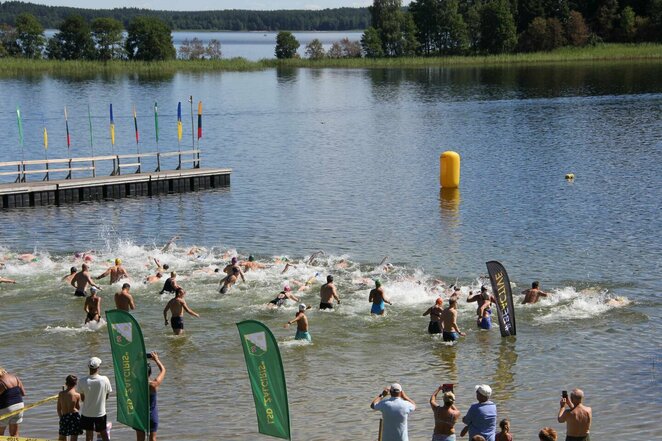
(148, 355)
(564, 394)
(447, 387)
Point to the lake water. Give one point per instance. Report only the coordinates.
(346, 161)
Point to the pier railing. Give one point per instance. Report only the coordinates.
(121, 164)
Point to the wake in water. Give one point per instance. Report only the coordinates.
(92, 326)
(200, 268)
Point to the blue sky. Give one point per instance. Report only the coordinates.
(201, 5)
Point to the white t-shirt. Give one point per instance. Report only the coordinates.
(395, 412)
(95, 388)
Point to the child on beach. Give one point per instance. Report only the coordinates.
(68, 407)
(505, 434)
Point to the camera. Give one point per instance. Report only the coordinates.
(564, 394)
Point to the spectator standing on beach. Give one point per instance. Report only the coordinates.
(505, 434)
(94, 391)
(576, 416)
(11, 400)
(481, 418)
(395, 411)
(68, 407)
(445, 416)
(547, 434)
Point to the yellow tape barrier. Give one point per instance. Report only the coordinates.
(29, 406)
(14, 438)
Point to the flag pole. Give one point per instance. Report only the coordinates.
(156, 130)
(66, 125)
(89, 119)
(46, 178)
(179, 133)
(135, 125)
(112, 139)
(190, 100)
(197, 154)
(21, 176)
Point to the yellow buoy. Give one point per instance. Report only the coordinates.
(449, 170)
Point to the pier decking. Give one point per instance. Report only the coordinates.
(48, 191)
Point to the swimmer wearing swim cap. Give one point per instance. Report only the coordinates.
(434, 327)
(378, 298)
(116, 272)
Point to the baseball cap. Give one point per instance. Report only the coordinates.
(302, 307)
(395, 387)
(484, 390)
(94, 362)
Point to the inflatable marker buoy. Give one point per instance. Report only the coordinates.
(569, 176)
(449, 170)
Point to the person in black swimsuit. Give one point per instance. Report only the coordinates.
(435, 316)
(282, 297)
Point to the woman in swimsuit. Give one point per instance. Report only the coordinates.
(445, 416)
(282, 297)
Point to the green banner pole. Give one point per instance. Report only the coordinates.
(130, 364)
(265, 372)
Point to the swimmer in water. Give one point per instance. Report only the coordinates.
(228, 281)
(252, 264)
(533, 294)
(342, 264)
(124, 299)
(170, 284)
(159, 267)
(27, 257)
(229, 269)
(177, 306)
(449, 323)
(314, 256)
(5, 280)
(328, 292)
(169, 244)
(378, 297)
(206, 271)
(92, 306)
(287, 267)
(282, 297)
(435, 312)
(81, 280)
(72, 274)
(116, 272)
(302, 324)
(153, 279)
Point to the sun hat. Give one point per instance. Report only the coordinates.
(94, 362)
(484, 390)
(395, 387)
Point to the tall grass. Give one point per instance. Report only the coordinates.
(10, 67)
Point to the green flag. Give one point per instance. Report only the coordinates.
(265, 371)
(130, 363)
(20, 126)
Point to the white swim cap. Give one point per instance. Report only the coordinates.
(302, 307)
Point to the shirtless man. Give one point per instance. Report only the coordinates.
(302, 324)
(81, 280)
(68, 408)
(72, 274)
(124, 299)
(532, 295)
(153, 279)
(177, 306)
(328, 293)
(252, 264)
(229, 269)
(378, 297)
(435, 316)
(93, 306)
(483, 311)
(116, 272)
(282, 297)
(577, 416)
(228, 281)
(449, 322)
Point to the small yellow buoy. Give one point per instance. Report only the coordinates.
(449, 170)
(570, 176)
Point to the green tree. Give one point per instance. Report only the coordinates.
(426, 17)
(452, 36)
(30, 35)
(149, 39)
(73, 41)
(497, 28)
(473, 25)
(372, 43)
(555, 33)
(315, 50)
(576, 30)
(108, 38)
(286, 45)
(8, 41)
(627, 24)
(387, 19)
(535, 36)
(607, 19)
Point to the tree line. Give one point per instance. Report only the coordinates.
(339, 19)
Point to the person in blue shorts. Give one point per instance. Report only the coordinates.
(302, 324)
(378, 298)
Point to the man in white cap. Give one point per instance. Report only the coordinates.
(302, 324)
(94, 391)
(395, 411)
(481, 418)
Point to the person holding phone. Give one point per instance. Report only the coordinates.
(576, 416)
(445, 416)
(395, 411)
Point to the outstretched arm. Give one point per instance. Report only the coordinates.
(104, 274)
(189, 310)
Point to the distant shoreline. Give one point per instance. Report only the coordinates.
(12, 67)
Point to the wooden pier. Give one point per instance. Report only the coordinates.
(114, 185)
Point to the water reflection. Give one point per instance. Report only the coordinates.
(447, 355)
(504, 378)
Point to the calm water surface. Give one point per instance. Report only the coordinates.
(347, 161)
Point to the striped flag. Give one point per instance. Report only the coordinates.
(179, 122)
(66, 125)
(199, 119)
(112, 126)
(135, 124)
